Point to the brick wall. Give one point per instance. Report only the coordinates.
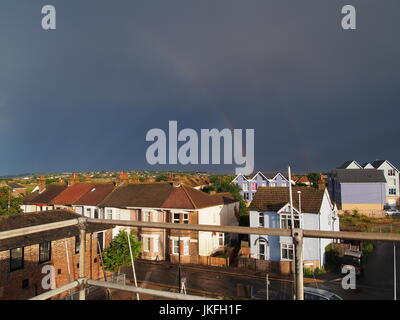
(11, 282)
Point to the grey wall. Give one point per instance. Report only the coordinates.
(363, 193)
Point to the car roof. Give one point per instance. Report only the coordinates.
(321, 292)
(353, 253)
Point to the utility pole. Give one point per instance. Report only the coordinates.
(298, 240)
(297, 236)
(299, 193)
(179, 263)
(132, 262)
(394, 271)
(9, 200)
(292, 226)
(267, 286)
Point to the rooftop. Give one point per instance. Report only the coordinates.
(30, 219)
(359, 176)
(51, 191)
(274, 198)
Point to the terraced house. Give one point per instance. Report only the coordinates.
(151, 202)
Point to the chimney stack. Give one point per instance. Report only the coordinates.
(321, 183)
(123, 179)
(136, 180)
(73, 180)
(42, 184)
(176, 184)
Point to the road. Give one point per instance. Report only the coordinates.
(377, 281)
(221, 282)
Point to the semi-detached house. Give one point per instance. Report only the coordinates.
(171, 203)
(151, 202)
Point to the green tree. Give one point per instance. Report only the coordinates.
(314, 178)
(117, 255)
(8, 203)
(162, 177)
(221, 183)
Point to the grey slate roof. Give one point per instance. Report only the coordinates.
(377, 163)
(345, 164)
(359, 176)
(272, 174)
(15, 185)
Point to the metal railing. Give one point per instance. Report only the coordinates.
(83, 282)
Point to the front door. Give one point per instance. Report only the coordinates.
(262, 250)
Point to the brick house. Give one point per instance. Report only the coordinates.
(39, 200)
(22, 258)
(173, 203)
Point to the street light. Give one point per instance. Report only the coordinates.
(299, 192)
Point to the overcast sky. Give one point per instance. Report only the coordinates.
(83, 97)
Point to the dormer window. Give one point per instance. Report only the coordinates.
(286, 221)
(391, 172)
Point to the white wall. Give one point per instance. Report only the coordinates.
(223, 215)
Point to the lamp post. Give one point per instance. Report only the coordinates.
(299, 193)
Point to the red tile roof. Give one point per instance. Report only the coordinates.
(72, 193)
(163, 195)
(95, 195)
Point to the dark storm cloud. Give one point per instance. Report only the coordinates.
(83, 97)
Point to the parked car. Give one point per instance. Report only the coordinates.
(319, 294)
(353, 259)
(392, 212)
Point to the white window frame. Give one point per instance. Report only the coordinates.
(155, 244)
(287, 217)
(176, 220)
(265, 253)
(221, 236)
(109, 213)
(155, 216)
(146, 216)
(261, 216)
(88, 212)
(288, 247)
(146, 243)
(185, 218)
(186, 247)
(174, 252)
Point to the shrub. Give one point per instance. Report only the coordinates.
(367, 247)
(356, 213)
(332, 257)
